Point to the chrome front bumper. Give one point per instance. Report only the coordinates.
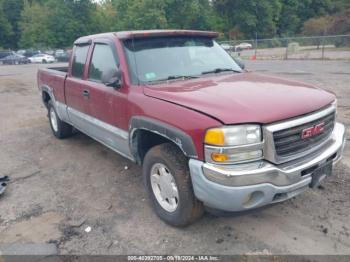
(247, 186)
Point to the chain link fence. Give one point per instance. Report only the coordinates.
(335, 47)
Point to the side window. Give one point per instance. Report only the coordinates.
(79, 59)
(103, 60)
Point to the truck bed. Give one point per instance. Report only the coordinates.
(54, 78)
(60, 69)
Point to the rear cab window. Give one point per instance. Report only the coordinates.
(79, 59)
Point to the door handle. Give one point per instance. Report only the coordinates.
(86, 93)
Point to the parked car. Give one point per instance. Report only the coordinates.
(227, 47)
(21, 52)
(3, 54)
(42, 58)
(59, 52)
(62, 56)
(14, 59)
(243, 46)
(206, 132)
(30, 53)
(49, 52)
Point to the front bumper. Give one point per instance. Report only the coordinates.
(246, 186)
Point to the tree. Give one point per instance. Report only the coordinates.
(140, 14)
(52, 23)
(190, 14)
(341, 25)
(249, 17)
(34, 27)
(63, 23)
(158, 14)
(317, 26)
(338, 6)
(82, 13)
(5, 29)
(12, 13)
(106, 17)
(57, 23)
(314, 8)
(289, 22)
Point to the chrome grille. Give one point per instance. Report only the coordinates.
(288, 141)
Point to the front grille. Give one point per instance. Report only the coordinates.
(288, 142)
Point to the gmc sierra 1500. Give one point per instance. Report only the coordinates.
(206, 132)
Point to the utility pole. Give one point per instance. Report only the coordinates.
(256, 43)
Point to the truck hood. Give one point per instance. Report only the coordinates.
(243, 97)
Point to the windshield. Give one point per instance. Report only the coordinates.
(166, 58)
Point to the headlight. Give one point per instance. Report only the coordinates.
(234, 144)
(233, 136)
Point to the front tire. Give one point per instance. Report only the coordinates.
(59, 128)
(168, 183)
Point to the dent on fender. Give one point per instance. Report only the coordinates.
(181, 139)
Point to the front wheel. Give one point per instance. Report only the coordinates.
(169, 186)
(59, 128)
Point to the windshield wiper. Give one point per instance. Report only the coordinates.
(174, 77)
(219, 70)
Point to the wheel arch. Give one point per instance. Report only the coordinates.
(46, 95)
(147, 132)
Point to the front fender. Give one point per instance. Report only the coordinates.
(174, 134)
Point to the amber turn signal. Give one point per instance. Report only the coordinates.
(215, 136)
(218, 157)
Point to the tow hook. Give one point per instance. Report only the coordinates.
(3, 183)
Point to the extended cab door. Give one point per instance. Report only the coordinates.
(76, 91)
(107, 105)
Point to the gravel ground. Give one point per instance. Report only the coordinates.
(59, 188)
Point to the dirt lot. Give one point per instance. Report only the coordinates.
(59, 188)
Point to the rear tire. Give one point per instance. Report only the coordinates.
(59, 128)
(44, 61)
(179, 207)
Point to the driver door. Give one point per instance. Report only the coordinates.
(107, 105)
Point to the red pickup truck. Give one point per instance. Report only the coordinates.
(207, 132)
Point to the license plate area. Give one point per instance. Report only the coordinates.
(320, 173)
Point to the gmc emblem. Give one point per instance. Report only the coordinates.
(312, 131)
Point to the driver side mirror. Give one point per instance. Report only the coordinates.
(113, 78)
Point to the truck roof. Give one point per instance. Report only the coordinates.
(146, 33)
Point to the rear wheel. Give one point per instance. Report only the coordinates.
(168, 182)
(59, 128)
(44, 61)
